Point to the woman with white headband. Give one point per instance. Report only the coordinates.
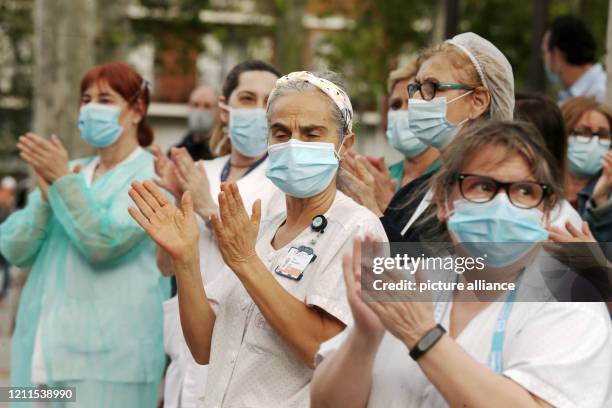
(241, 139)
(260, 332)
(459, 82)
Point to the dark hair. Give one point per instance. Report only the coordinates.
(229, 85)
(128, 83)
(570, 35)
(545, 115)
(233, 77)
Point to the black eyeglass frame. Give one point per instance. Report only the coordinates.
(546, 189)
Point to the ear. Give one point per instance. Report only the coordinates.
(137, 112)
(223, 114)
(347, 144)
(481, 100)
(442, 212)
(557, 58)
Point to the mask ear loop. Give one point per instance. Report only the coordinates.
(457, 98)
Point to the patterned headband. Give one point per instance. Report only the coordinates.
(335, 93)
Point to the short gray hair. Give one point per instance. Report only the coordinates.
(301, 86)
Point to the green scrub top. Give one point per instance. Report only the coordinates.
(93, 284)
(397, 171)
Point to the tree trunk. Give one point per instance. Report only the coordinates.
(63, 51)
(438, 33)
(113, 31)
(609, 54)
(452, 18)
(71, 36)
(536, 79)
(290, 35)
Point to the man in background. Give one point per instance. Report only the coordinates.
(568, 51)
(202, 116)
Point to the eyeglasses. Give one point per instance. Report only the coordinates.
(482, 189)
(584, 135)
(428, 88)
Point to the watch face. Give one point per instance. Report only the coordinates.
(317, 221)
(429, 338)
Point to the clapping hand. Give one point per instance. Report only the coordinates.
(167, 173)
(192, 177)
(48, 158)
(174, 230)
(236, 232)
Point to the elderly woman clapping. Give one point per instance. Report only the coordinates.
(261, 331)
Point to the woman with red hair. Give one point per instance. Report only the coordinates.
(90, 315)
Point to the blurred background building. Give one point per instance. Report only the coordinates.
(45, 47)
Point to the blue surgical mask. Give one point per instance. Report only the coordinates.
(302, 169)
(496, 228)
(552, 77)
(427, 120)
(400, 136)
(248, 130)
(99, 124)
(585, 156)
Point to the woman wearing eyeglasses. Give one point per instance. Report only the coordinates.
(459, 82)
(589, 171)
(496, 184)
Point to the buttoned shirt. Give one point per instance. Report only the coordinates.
(251, 365)
(591, 83)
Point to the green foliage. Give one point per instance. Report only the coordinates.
(366, 52)
(384, 29)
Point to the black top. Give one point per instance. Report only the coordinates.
(199, 150)
(403, 204)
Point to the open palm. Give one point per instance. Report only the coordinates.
(365, 319)
(172, 228)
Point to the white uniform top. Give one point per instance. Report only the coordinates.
(185, 379)
(564, 212)
(561, 352)
(251, 365)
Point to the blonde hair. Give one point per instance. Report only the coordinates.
(573, 109)
(460, 62)
(406, 71)
(219, 143)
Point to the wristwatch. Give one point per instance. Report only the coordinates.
(427, 341)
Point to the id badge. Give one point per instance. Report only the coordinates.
(295, 262)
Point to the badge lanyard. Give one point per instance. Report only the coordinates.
(495, 361)
(228, 165)
(497, 343)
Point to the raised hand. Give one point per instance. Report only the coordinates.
(166, 171)
(49, 158)
(236, 232)
(603, 187)
(192, 177)
(572, 234)
(174, 230)
(367, 322)
(359, 191)
(385, 185)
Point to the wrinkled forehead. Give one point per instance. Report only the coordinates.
(439, 67)
(303, 108)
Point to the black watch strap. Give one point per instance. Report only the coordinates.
(427, 341)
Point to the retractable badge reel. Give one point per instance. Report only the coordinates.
(298, 258)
